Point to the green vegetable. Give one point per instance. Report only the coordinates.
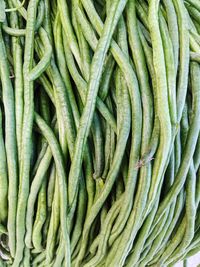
(99, 132)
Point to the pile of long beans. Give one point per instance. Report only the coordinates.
(99, 132)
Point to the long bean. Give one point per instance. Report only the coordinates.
(10, 143)
(26, 133)
(99, 132)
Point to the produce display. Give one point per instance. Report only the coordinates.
(99, 132)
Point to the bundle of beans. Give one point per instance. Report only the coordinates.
(99, 132)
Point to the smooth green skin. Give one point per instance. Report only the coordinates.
(81, 211)
(124, 65)
(82, 44)
(120, 58)
(40, 156)
(18, 79)
(87, 161)
(179, 200)
(42, 196)
(186, 158)
(141, 71)
(134, 255)
(177, 212)
(127, 232)
(50, 194)
(170, 71)
(63, 107)
(47, 19)
(57, 154)
(155, 132)
(44, 62)
(2, 12)
(146, 133)
(15, 31)
(162, 97)
(156, 231)
(155, 245)
(34, 189)
(189, 232)
(47, 87)
(39, 176)
(53, 226)
(166, 239)
(120, 242)
(109, 144)
(26, 133)
(114, 49)
(94, 245)
(104, 235)
(179, 204)
(106, 78)
(190, 217)
(184, 56)
(40, 67)
(172, 81)
(85, 69)
(59, 46)
(10, 143)
(192, 249)
(70, 142)
(105, 40)
(190, 200)
(18, 94)
(77, 126)
(170, 67)
(169, 175)
(137, 254)
(27, 258)
(142, 13)
(85, 63)
(125, 106)
(40, 218)
(82, 86)
(119, 98)
(54, 220)
(173, 29)
(92, 92)
(64, 13)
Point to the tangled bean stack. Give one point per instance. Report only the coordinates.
(99, 132)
